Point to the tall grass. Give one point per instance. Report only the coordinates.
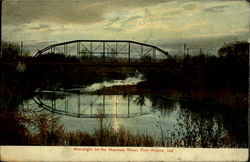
(110, 137)
(45, 129)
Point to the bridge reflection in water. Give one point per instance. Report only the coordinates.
(92, 106)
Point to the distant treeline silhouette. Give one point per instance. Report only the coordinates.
(228, 70)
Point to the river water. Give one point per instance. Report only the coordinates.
(134, 112)
(157, 116)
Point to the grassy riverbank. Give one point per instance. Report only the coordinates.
(47, 130)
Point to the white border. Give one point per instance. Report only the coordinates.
(71, 153)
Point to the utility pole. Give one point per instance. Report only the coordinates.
(184, 52)
(21, 50)
(187, 51)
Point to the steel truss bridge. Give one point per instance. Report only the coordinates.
(106, 50)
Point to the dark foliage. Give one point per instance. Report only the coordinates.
(238, 48)
(230, 70)
(55, 57)
(10, 52)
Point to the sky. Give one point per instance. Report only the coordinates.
(167, 24)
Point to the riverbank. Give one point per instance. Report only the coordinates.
(51, 133)
(223, 96)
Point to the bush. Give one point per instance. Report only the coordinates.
(10, 52)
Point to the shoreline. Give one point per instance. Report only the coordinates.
(220, 96)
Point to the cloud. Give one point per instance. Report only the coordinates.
(23, 12)
(216, 8)
(189, 6)
(65, 11)
(134, 18)
(41, 26)
(153, 21)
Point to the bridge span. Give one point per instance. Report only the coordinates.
(106, 49)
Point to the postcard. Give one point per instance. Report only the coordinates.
(124, 80)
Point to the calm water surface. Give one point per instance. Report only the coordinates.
(134, 112)
(157, 116)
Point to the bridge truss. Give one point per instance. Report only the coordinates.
(106, 50)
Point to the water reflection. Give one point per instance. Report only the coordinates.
(89, 106)
(43, 120)
(163, 104)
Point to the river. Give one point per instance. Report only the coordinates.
(157, 116)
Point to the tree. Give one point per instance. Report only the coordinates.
(236, 48)
(10, 51)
